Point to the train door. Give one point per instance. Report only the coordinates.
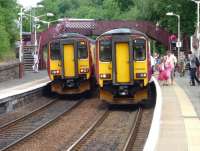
(122, 62)
(69, 60)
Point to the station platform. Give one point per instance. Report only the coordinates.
(29, 82)
(180, 117)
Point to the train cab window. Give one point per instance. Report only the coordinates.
(82, 50)
(55, 50)
(105, 53)
(139, 49)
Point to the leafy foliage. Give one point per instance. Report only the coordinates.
(7, 25)
(152, 10)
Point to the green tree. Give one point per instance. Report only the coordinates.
(8, 31)
(151, 10)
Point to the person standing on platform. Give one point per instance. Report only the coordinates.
(171, 61)
(36, 62)
(157, 61)
(152, 64)
(198, 67)
(182, 62)
(164, 71)
(193, 68)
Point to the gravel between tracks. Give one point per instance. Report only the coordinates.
(11, 134)
(112, 134)
(36, 103)
(143, 130)
(64, 131)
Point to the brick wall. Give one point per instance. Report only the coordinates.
(9, 71)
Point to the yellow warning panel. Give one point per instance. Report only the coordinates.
(122, 63)
(69, 63)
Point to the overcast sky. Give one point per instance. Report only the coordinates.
(28, 3)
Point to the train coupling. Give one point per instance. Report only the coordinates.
(70, 83)
(123, 90)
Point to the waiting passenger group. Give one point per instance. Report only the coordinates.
(166, 66)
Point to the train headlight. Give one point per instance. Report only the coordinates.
(55, 72)
(105, 76)
(84, 70)
(141, 75)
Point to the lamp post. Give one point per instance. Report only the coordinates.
(36, 19)
(30, 14)
(179, 39)
(49, 22)
(21, 71)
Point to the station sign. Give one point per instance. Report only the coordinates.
(178, 44)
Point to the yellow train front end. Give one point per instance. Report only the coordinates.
(123, 66)
(70, 64)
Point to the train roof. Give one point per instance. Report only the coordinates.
(124, 31)
(70, 35)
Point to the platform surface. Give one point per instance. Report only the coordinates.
(29, 82)
(180, 118)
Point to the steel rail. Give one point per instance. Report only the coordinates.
(45, 124)
(133, 133)
(26, 115)
(89, 131)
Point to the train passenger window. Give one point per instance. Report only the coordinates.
(105, 53)
(55, 50)
(82, 50)
(139, 49)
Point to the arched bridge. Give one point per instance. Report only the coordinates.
(94, 27)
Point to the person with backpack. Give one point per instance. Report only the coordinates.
(194, 65)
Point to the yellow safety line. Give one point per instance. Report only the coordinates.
(191, 120)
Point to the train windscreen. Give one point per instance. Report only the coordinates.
(55, 50)
(139, 49)
(82, 50)
(105, 54)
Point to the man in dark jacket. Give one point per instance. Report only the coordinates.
(193, 69)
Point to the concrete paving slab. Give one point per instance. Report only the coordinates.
(180, 125)
(29, 76)
(172, 129)
(29, 82)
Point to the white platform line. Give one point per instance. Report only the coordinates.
(152, 139)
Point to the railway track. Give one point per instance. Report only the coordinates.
(133, 133)
(17, 130)
(109, 137)
(6, 121)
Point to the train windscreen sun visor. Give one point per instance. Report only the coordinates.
(55, 50)
(82, 50)
(139, 49)
(105, 53)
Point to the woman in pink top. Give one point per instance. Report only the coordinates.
(164, 71)
(171, 60)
